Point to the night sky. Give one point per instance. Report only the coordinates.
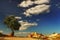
(47, 23)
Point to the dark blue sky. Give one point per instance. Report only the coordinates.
(49, 22)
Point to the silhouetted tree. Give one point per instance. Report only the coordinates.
(12, 23)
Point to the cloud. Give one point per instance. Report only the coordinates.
(22, 32)
(41, 1)
(1, 31)
(37, 10)
(37, 19)
(57, 5)
(29, 2)
(25, 3)
(25, 25)
(18, 17)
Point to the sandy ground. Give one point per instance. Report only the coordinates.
(19, 38)
(16, 38)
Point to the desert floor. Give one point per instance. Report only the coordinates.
(16, 38)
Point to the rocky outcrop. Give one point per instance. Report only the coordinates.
(37, 35)
(55, 36)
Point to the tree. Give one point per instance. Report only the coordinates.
(12, 23)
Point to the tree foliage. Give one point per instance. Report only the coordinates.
(12, 23)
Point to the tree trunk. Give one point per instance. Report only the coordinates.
(12, 33)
